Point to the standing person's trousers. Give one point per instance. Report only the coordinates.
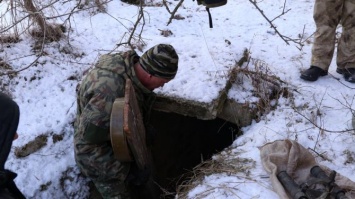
(328, 14)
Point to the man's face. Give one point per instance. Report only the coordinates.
(156, 82)
(148, 80)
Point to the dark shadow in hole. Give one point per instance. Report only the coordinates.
(182, 142)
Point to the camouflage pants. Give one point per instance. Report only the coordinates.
(328, 14)
(97, 162)
(112, 189)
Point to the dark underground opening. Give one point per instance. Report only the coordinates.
(182, 142)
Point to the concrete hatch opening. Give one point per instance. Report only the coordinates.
(183, 142)
(189, 133)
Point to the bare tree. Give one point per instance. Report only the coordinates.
(47, 31)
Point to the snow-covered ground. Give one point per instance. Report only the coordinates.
(45, 91)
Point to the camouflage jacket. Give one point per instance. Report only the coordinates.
(97, 92)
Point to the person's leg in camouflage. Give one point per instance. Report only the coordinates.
(326, 15)
(113, 189)
(346, 45)
(107, 173)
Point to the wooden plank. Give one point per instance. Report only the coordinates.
(134, 127)
(127, 130)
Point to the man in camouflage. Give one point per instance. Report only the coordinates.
(95, 96)
(327, 16)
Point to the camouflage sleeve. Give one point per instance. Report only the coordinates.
(92, 134)
(96, 117)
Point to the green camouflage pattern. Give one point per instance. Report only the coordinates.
(160, 61)
(95, 96)
(327, 16)
(112, 189)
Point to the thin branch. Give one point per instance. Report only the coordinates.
(286, 39)
(321, 128)
(338, 79)
(320, 155)
(17, 71)
(174, 11)
(135, 26)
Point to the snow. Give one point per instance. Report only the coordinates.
(45, 91)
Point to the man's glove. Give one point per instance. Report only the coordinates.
(138, 177)
(6, 176)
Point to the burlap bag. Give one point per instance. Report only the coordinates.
(290, 156)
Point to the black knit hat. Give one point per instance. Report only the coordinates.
(160, 61)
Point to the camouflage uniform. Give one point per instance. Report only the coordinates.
(95, 96)
(328, 14)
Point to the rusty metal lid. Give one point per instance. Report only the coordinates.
(118, 137)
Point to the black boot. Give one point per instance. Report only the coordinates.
(349, 74)
(313, 73)
(340, 71)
